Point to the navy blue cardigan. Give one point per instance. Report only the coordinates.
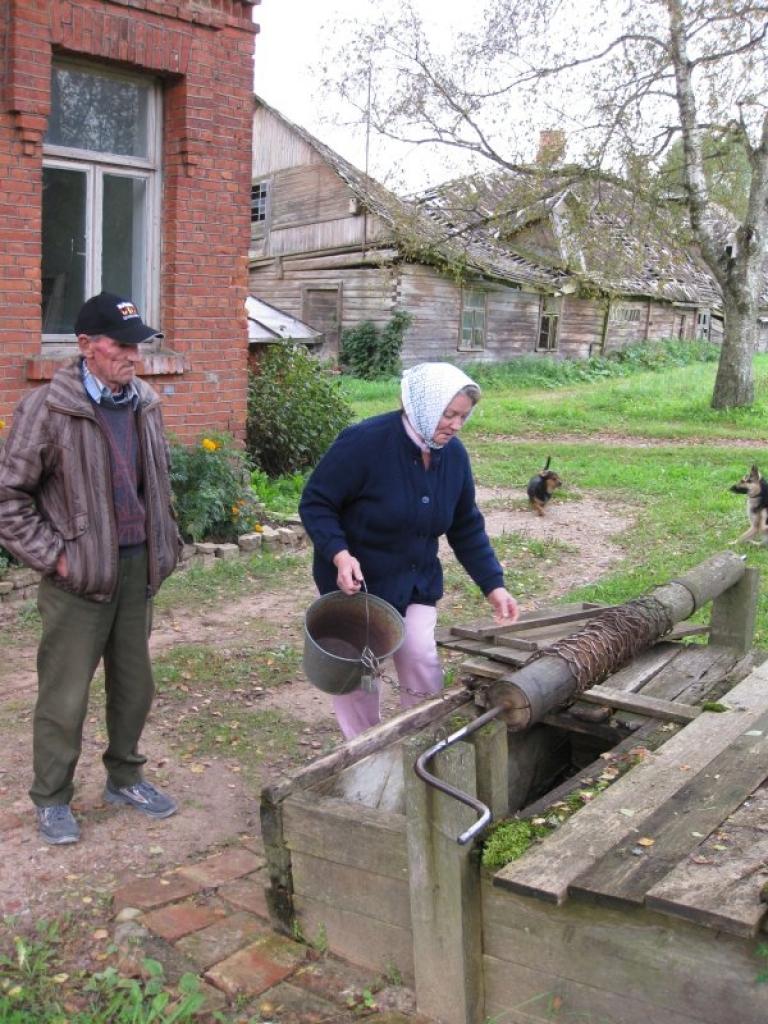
(371, 494)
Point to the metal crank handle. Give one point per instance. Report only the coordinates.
(423, 759)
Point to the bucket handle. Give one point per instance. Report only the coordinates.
(371, 664)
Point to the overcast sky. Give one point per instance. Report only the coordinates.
(289, 44)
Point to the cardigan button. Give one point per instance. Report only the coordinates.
(425, 500)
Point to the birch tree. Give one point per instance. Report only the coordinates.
(624, 82)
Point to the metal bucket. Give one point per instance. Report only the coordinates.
(337, 627)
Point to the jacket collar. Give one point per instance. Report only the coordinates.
(67, 393)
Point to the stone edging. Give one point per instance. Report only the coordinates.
(21, 584)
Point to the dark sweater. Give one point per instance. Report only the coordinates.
(371, 494)
(119, 426)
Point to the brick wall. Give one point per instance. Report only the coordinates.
(202, 52)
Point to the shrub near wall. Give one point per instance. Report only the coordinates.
(295, 410)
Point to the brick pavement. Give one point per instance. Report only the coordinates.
(210, 918)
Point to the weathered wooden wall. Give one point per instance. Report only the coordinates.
(433, 299)
(350, 878)
(580, 962)
(366, 291)
(581, 327)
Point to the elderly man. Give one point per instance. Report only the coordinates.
(85, 499)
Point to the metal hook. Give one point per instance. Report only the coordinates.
(423, 759)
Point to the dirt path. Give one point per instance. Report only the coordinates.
(218, 795)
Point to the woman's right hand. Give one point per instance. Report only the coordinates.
(350, 575)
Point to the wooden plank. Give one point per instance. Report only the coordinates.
(362, 892)
(507, 655)
(347, 834)
(524, 995)
(623, 878)
(361, 940)
(644, 666)
(548, 869)
(683, 632)
(663, 969)
(696, 667)
(652, 707)
(607, 734)
(534, 621)
(483, 667)
(367, 743)
(721, 888)
(520, 643)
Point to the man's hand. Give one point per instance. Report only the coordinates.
(505, 609)
(350, 575)
(62, 566)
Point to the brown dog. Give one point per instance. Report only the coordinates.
(756, 490)
(541, 488)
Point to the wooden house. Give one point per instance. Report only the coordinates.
(333, 247)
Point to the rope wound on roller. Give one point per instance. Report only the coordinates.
(609, 640)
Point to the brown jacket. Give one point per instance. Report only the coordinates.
(56, 488)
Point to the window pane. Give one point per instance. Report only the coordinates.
(124, 237)
(98, 113)
(63, 242)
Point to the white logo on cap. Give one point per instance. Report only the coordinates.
(127, 310)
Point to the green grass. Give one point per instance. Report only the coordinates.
(671, 404)
(189, 667)
(247, 736)
(228, 580)
(34, 987)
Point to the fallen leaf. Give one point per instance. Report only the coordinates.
(645, 841)
(101, 933)
(627, 812)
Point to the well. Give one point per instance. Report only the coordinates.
(643, 906)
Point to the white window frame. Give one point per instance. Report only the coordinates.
(264, 200)
(95, 165)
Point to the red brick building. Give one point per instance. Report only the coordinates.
(125, 163)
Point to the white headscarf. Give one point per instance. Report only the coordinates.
(426, 391)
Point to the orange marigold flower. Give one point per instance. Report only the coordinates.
(208, 444)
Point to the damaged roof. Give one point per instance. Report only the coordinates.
(551, 230)
(602, 235)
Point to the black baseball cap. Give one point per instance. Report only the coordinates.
(115, 318)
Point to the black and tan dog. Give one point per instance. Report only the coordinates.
(756, 490)
(541, 488)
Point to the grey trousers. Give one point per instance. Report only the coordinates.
(77, 633)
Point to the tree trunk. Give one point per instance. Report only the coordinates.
(735, 383)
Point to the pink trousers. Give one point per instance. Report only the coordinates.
(419, 674)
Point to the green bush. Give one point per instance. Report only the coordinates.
(547, 372)
(295, 410)
(211, 490)
(280, 495)
(369, 352)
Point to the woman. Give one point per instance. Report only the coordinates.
(375, 507)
